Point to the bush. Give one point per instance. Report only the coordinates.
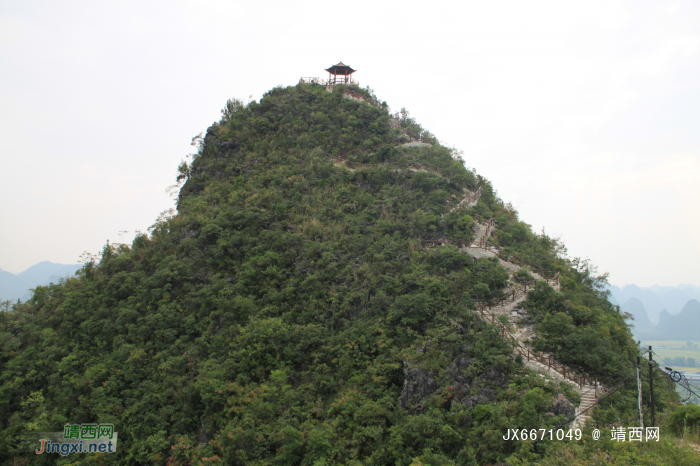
(685, 419)
(523, 275)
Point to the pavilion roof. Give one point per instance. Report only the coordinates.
(340, 68)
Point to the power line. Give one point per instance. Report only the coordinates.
(679, 379)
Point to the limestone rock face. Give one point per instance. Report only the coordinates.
(460, 382)
(563, 407)
(484, 395)
(456, 369)
(494, 376)
(418, 385)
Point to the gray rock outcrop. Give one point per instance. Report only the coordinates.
(418, 385)
(563, 407)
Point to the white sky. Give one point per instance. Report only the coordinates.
(584, 114)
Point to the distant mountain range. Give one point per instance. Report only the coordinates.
(15, 287)
(682, 326)
(636, 308)
(654, 299)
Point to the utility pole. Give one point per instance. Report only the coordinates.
(639, 391)
(651, 387)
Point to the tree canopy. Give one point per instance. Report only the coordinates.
(289, 314)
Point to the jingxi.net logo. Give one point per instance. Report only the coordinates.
(79, 438)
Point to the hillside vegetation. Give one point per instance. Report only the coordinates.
(289, 314)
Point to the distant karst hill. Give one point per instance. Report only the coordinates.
(13, 287)
(656, 298)
(682, 326)
(636, 308)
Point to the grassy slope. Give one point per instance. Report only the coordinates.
(271, 320)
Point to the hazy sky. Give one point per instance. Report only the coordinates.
(584, 114)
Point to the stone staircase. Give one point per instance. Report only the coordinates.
(470, 199)
(509, 306)
(588, 399)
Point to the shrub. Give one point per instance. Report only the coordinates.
(685, 419)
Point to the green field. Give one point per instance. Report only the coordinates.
(675, 349)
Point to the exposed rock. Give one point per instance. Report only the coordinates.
(460, 383)
(188, 233)
(205, 430)
(418, 385)
(352, 97)
(484, 395)
(494, 376)
(456, 367)
(563, 407)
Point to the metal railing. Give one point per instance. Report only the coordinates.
(469, 198)
(473, 197)
(312, 80)
(487, 311)
(328, 82)
(530, 355)
(340, 80)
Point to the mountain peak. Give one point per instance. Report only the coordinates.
(692, 307)
(320, 286)
(13, 287)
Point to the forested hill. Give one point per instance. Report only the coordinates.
(290, 313)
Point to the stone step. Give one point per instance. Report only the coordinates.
(588, 393)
